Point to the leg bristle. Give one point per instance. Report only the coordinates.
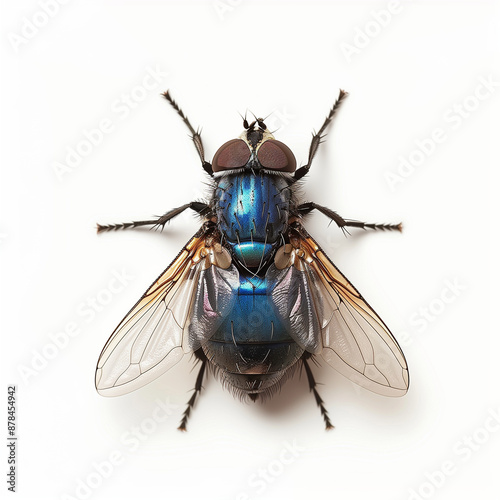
(190, 404)
(317, 397)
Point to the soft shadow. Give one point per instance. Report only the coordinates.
(293, 393)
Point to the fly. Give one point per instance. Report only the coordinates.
(251, 294)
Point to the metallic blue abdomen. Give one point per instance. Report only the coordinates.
(252, 346)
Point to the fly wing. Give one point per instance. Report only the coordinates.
(157, 331)
(326, 314)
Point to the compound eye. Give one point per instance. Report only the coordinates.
(275, 155)
(233, 154)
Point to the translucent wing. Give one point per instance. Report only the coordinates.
(157, 331)
(327, 315)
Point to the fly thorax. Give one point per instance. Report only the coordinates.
(252, 212)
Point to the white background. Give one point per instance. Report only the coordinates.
(416, 68)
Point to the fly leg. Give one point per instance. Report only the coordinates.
(197, 390)
(306, 208)
(195, 134)
(197, 206)
(317, 397)
(317, 137)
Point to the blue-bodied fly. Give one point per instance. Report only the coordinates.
(252, 295)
